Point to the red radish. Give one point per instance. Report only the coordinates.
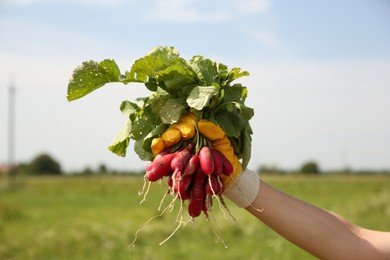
(149, 167)
(206, 160)
(179, 162)
(176, 178)
(156, 158)
(192, 165)
(197, 194)
(185, 195)
(217, 161)
(212, 186)
(194, 177)
(170, 181)
(227, 167)
(180, 184)
(160, 167)
(185, 183)
(166, 151)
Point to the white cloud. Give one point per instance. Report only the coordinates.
(191, 11)
(183, 11)
(267, 39)
(252, 6)
(35, 39)
(106, 3)
(20, 2)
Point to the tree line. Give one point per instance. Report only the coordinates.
(45, 164)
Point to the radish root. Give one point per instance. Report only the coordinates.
(180, 215)
(145, 192)
(213, 223)
(169, 206)
(219, 201)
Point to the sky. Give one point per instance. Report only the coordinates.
(319, 74)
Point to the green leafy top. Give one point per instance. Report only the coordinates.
(199, 85)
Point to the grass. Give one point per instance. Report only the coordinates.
(96, 217)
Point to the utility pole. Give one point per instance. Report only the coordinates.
(11, 133)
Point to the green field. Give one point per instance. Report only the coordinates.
(96, 217)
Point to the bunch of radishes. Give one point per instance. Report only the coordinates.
(193, 174)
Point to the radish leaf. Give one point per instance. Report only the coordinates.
(200, 96)
(90, 76)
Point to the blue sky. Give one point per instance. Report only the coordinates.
(319, 84)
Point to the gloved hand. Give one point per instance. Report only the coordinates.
(241, 187)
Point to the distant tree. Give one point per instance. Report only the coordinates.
(44, 164)
(270, 169)
(102, 168)
(310, 167)
(87, 171)
(23, 168)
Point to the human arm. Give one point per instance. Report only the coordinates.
(317, 231)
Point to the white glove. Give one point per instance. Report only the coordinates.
(245, 189)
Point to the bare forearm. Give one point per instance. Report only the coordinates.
(317, 231)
